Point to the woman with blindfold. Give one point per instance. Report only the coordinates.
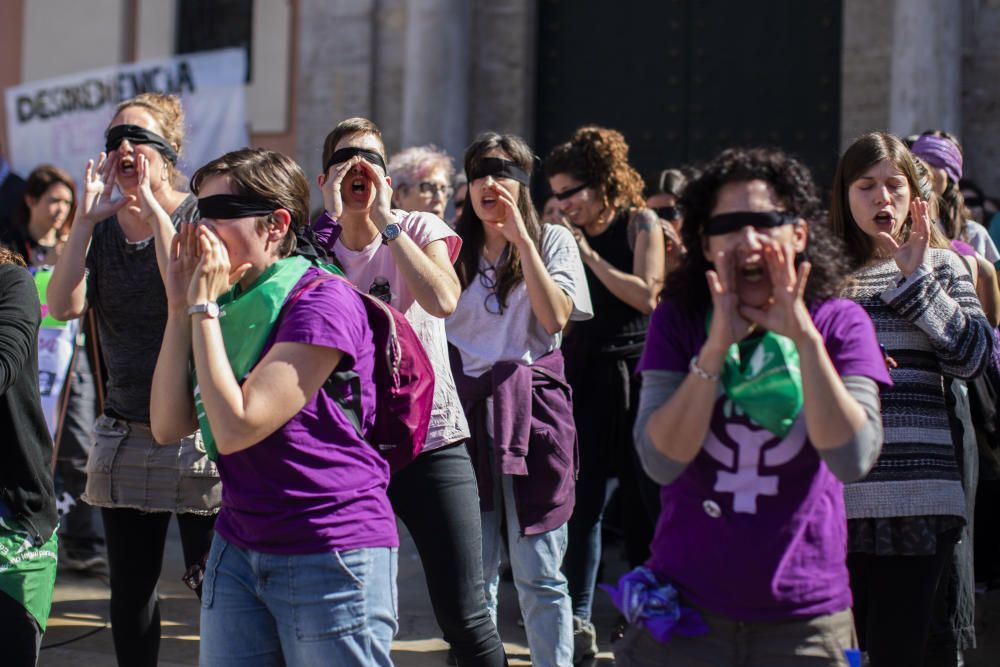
(664, 198)
(622, 249)
(109, 264)
(906, 515)
(759, 399)
(522, 282)
(405, 258)
(302, 569)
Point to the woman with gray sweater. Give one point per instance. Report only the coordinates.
(905, 516)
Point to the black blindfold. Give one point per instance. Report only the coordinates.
(345, 154)
(139, 135)
(228, 207)
(498, 168)
(734, 222)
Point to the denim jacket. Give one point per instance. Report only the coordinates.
(534, 437)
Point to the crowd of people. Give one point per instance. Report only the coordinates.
(791, 394)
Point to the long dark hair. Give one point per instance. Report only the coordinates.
(794, 186)
(470, 228)
(867, 151)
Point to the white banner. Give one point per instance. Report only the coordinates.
(55, 350)
(62, 121)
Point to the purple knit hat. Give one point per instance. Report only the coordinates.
(941, 153)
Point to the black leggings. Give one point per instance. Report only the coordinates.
(135, 543)
(20, 633)
(893, 601)
(436, 496)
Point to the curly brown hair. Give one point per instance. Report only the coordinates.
(598, 156)
(8, 256)
(794, 186)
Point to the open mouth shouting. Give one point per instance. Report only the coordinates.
(884, 220)
(127, 165)
(358, 187)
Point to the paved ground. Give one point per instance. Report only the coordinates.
(80, 617)
(79, 635)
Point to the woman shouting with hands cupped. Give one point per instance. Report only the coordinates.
(302, 569)
(522, 281)
(405, 258)
(753, 412)
(111, 264)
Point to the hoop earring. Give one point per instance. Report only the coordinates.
(165, 172)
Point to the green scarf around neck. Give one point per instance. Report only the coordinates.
(762, 376)
(246, 318)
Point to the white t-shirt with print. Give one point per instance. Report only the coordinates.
(373, 270)
(485, 337)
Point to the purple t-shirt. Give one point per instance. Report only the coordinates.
(314, 485)
(754, 528)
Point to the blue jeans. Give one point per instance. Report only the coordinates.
(330, 608)
(536, 563)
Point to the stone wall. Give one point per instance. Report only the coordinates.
(981, 93)
(910, 65)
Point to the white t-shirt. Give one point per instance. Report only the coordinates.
(373, 269)
(485, 337)
(980, 239)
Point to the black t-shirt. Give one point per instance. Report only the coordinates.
(127, 294)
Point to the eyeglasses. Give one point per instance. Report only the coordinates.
(428, 188)
(668, 213)
(488, 279)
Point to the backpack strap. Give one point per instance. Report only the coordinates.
(351, 408)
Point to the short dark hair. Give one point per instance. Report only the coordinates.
(258, 172)
(346, 128)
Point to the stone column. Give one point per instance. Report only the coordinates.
(436, 74)
(334, 79)
(926, 71)
(502, 86)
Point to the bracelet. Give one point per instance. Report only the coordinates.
(701, 372)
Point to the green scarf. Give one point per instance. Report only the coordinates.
(246, 319)
(28, 571)
(761, 375)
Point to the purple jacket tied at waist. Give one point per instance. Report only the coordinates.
(534, 436)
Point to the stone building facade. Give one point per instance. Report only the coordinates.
(441, 70)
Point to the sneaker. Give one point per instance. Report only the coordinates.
(584, 640)
(82, 562)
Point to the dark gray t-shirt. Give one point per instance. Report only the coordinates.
(125, 290)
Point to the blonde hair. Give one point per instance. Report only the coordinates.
(166, 110)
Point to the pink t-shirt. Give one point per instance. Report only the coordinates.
(373, 270)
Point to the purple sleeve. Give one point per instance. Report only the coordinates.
(327, 230)
(671, 341)
(329, 315)
(849, 336)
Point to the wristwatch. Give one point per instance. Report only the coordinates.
(210, 308)
(391, 232)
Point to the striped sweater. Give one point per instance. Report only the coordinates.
(933, 326)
